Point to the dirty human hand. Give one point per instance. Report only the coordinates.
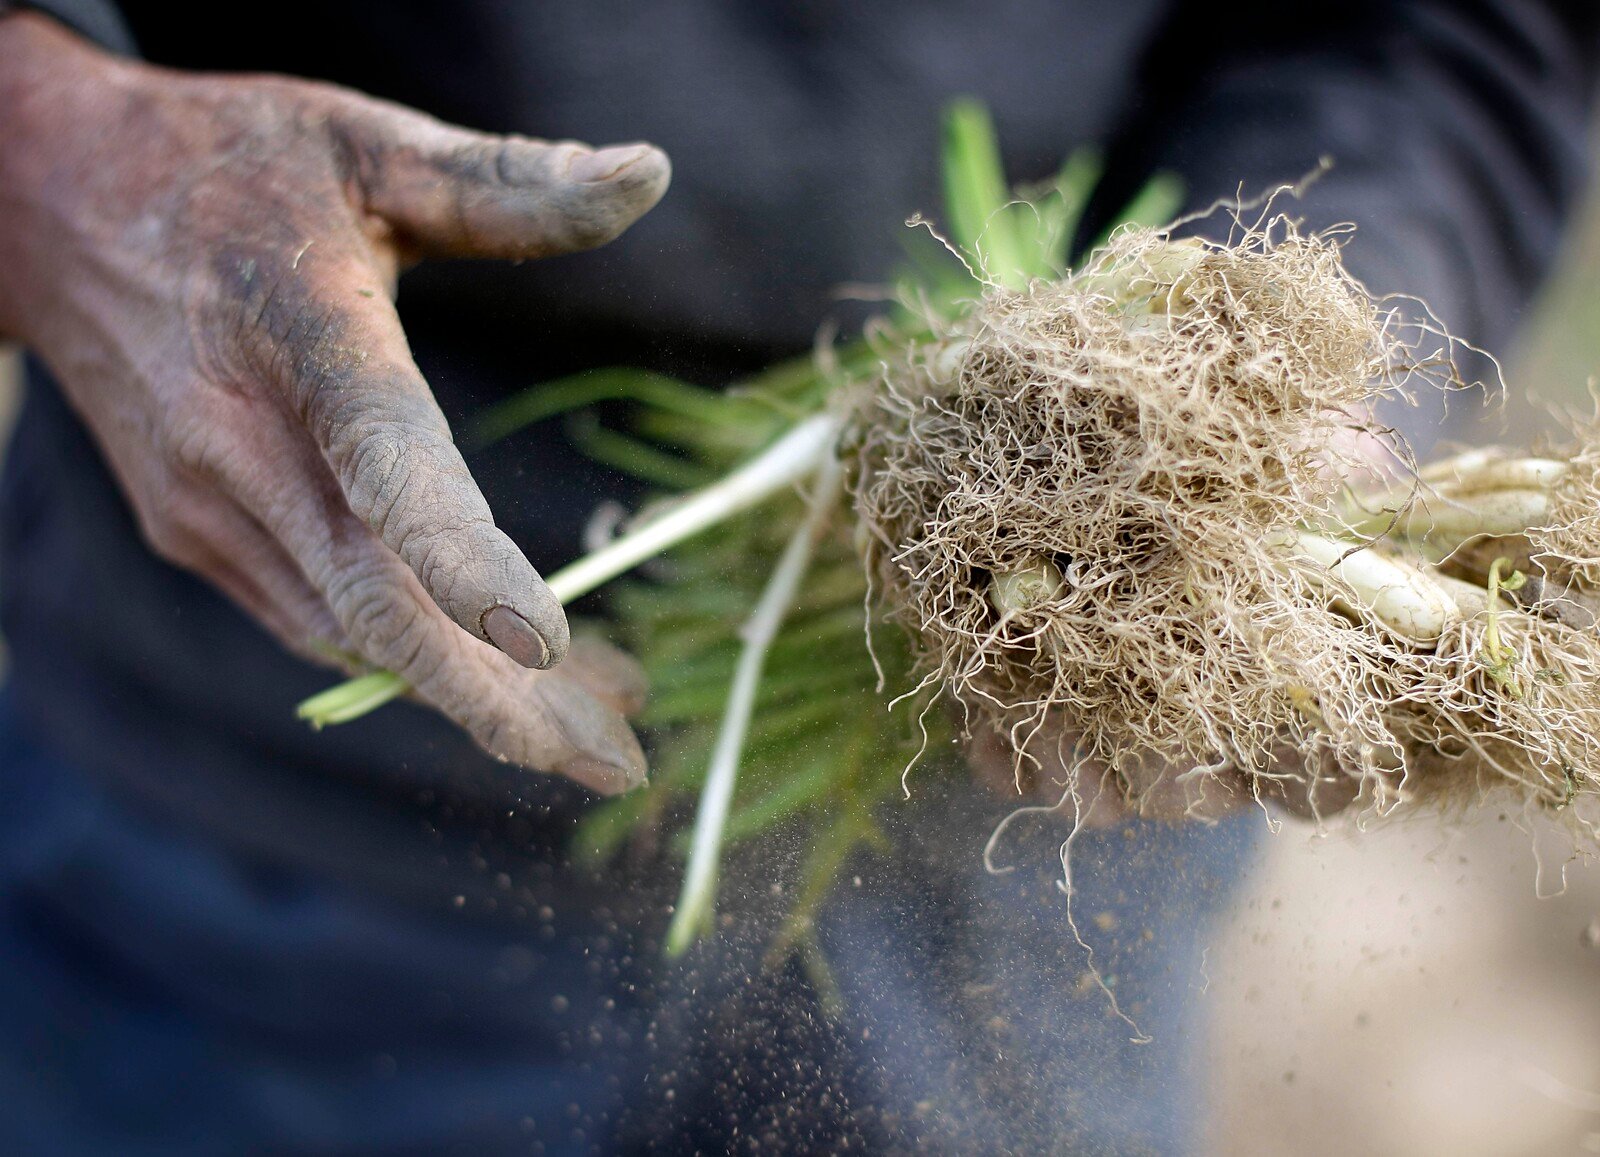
(207, 264)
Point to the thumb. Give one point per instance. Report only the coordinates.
(450, 192)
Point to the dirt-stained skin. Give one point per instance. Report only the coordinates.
(208, 266)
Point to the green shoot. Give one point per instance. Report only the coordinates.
(582, 390)
(1499, 658)
(975, 193)
(1153, 206)
(351, 699)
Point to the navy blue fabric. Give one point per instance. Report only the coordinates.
(165, 996)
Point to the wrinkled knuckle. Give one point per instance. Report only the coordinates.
(381, 619)
(245, 280)
(192, 447)
(316, 347)
(172, 530)
(269, 322)
(379, 476)
(322, 105)
(472, 164)
(518, 162)
(277, 311)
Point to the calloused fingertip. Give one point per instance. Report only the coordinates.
(605, 778)
(533, 633)
(603, 164)
(641, 180)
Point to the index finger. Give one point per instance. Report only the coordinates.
(343, 359)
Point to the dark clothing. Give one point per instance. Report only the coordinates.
(802, 134)
(165, 995)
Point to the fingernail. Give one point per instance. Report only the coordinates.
(591, 168)
(514, 635)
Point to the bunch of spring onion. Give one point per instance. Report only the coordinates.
(1125, 519)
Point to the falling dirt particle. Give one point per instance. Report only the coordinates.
(1105, 921)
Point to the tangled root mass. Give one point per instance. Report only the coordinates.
(1082, 499)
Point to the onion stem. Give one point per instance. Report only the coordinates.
(1479, 493)
(695, 901)
(1477, 471)
(351, 699)
(798, 453)
(1500, 659)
